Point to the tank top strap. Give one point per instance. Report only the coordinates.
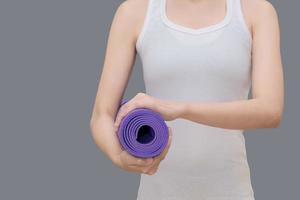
(238, 16)
(151, 17)
(237, 9)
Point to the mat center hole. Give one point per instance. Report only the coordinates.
(145, 134)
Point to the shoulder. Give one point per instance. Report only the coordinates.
(262, 5)
(256, 8)
(264, 9)
(133, 7)
(258, 11)
(131, 13)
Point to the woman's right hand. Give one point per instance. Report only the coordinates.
(149, 166)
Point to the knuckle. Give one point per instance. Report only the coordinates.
(121, 115)
(123, 108)
(128, 107)
(140, 94)
(150, 173)
(153, 171)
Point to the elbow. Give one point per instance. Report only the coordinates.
(94, 120)
(273, 118)
(97, 121)
(276, 121)
(93, 124)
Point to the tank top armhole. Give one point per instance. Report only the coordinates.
(242, 19)
(140, 37)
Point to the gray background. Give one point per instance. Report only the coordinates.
(51, 53)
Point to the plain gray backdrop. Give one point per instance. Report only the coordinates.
(51, 54)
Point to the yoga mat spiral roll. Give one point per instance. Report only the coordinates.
(143, 132)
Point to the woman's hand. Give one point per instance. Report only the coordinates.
(169, 110)
(142, 165)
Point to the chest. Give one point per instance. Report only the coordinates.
(222, 55)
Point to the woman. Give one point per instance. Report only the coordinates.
(200, 58)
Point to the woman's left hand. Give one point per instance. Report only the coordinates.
(169, 110)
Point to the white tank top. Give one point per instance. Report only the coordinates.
(210, 64)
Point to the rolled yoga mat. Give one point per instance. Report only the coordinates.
(143, 132)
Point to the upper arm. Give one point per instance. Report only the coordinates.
(267, 74)
(119, 59)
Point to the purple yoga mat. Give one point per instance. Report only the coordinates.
(143, 133)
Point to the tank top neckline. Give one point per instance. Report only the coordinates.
(209, 28)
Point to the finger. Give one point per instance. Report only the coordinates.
(139, 100)
(140, 95)
(136, 169)
(152, 171)
(154, 165)
(135, 161)
(119, 117)
(124, 110)
(144, 170)
(155, 162)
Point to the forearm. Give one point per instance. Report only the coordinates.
(104, 136)
(241, 114)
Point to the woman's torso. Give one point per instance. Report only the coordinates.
(210, 64)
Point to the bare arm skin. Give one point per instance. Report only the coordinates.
(264, 110)
(119, 59)
(266, 107)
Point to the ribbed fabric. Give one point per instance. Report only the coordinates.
(210, 64)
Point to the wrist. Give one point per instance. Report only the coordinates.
(181, 108)
(172, 109)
